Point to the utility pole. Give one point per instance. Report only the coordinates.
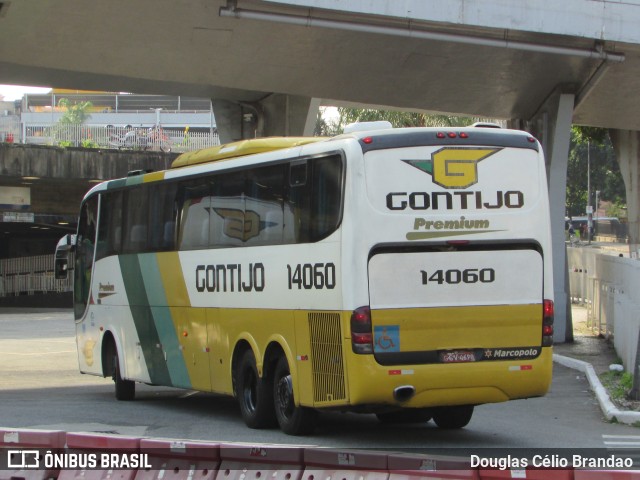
(589, 206)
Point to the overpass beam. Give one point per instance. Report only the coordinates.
(626, 144)
(273, 115)
(552, 126)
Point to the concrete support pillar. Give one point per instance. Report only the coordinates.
(626, 144)
(274, 115)
(552, 126)
(229, 120)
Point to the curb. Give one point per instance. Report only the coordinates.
(610, 411)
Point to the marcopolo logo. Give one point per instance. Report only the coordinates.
(454, 167)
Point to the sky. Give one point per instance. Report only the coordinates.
(15, 92)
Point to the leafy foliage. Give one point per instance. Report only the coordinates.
(591, 149)
(397, 119)
(76, 113)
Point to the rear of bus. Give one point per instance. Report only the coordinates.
(457, 310)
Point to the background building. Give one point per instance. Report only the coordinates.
(187, 123)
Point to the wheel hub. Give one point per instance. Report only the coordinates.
(285, 395)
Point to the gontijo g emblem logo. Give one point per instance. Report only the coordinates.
(454, 167)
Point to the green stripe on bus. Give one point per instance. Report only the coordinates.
(143, 319)
(134, 180)
(164, 321)
(121, 182)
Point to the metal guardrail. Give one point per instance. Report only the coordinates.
(607, 284)
(90, 136)
(31, 275)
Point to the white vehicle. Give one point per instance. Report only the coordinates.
(401, 272)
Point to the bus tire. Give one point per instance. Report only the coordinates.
(125, 389)
(409, 415)
(293, 420)
(254, 394)
(453, 417)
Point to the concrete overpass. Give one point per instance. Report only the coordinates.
(267, 65)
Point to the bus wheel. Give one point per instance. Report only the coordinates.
(125, 389)
(292, 420)
(410, 415)
(254, 394)
(453, 417)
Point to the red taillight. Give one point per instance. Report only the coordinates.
(451, 135)
(440, 135)
(367, 140)
(547, 323)
(463, 135)
(457, 243)
(361, 332)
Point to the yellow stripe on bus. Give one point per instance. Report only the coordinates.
(190, 323)
(239, 149)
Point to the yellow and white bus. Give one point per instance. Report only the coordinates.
(401, 272)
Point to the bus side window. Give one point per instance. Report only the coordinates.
(85, 245)
(326, 189)
(315, 198)
(194, 201)
(136, 221)
(263, 216)
(161, 217)
(228, 210)
(110, 229)
(298, 203)
(298, 173)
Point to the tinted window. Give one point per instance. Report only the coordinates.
(162, 217)
(194, 200)
(316, 203)
(136, 220)
(295, 202)
(85, 246)
(264, 217)
(110, 231)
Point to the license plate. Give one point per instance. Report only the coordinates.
(457, 356)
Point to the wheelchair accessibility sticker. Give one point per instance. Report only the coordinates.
(386, 338)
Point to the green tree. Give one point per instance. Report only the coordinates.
(76, 113)
(66, 131)
(591, 150)
(398, 119)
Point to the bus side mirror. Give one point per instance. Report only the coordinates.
(61, 262)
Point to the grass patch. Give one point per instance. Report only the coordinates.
(617, 384)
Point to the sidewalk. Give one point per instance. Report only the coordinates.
(592, 355)
(587, 346)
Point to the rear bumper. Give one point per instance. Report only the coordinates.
(471, 383)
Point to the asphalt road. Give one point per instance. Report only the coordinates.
(40, 387)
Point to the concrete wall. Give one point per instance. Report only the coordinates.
(64, 175)
(47, 162)
(608, 285)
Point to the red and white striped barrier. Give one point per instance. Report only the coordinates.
(23, 441)
(92, 456)
(179, 460)
(418, 467)
(333, 464)
(528, 473)
(260, 462)
(56, 455)
(606, 474)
